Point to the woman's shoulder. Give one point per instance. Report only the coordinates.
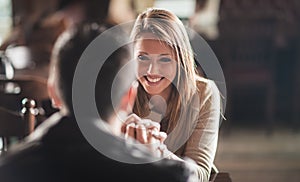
(208, 94)
(206, 86)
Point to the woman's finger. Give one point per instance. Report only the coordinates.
(123, 128)
(157, 136)
(162, 136)
(141, 133)
(130, 130)
(132, 118)
(149, 124)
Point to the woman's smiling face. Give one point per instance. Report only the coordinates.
(157, 66)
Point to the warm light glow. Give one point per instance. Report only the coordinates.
(5, 19)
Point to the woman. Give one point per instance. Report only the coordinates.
(170, 91)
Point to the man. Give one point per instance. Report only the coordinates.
(57, 150)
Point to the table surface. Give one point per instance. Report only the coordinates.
(220, 177)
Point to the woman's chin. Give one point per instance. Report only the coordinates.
(153, 91)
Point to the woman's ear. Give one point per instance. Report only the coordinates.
(128, 99)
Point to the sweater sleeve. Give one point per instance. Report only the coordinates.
(202, 144)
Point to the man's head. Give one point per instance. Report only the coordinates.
(65, 57)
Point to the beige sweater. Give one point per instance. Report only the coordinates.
(196, 134)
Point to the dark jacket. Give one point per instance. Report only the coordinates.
(57, 151)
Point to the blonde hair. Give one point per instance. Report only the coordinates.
(166, 27)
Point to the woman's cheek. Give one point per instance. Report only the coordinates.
(170, 72)
(140, 70)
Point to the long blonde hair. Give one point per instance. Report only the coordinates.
(166, 26)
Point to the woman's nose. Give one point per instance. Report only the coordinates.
(153, 68)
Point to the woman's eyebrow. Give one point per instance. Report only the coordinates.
(165, 54)
(142, 52)
(146, 53)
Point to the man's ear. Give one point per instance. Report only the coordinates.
(127, 101)
(56, 102)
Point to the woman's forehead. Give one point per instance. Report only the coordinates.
(152, 45)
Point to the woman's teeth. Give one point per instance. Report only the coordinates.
(153, 80)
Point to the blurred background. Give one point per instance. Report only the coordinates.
(257, 43)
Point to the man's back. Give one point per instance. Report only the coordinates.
(57, 151)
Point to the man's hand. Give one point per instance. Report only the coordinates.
(146, 132)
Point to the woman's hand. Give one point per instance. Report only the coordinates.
(146, 132)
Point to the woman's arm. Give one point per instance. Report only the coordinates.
(202, 144)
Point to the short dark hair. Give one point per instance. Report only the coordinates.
(108, 74)
(66, 56)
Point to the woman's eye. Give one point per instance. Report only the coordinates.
(143, 58)
(165, 60)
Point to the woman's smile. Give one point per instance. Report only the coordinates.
(153, 80)
(157, 66)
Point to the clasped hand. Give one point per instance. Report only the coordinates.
(146, 132)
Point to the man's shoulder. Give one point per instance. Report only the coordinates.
(43, 157)
(160, 171)
(30, 151)
(20, 163)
